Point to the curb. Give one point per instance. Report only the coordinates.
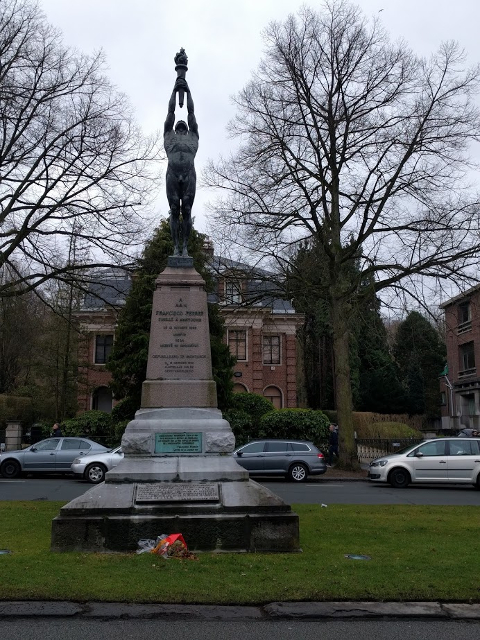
(274, 611)
(339, 479)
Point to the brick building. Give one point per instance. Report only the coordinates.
(260, 331)
(460, 386)
(97, 318)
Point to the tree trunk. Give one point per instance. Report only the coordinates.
(343, 389)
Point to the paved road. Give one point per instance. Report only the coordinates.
(366, 493)
(74, 629)
(316, 492)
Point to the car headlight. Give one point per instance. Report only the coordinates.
(379, 463)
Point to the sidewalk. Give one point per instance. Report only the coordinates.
(274, 611)
(339, 474)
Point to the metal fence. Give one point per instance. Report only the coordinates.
(371, 448)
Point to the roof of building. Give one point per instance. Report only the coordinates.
(107, 288)
(459, 297)
(110, 287)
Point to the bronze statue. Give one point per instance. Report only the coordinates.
(181, 145)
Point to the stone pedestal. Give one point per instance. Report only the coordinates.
(178, 475)
(179, 370)
(13, 435)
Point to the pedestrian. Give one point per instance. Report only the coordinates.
(56, 431)
(332, 444)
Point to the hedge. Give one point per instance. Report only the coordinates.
(302, 424)
(97, 425)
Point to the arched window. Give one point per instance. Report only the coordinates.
(274, 395)
(102, 399)
(239, 388)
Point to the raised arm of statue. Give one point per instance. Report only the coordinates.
(170, 119)
(192, 121)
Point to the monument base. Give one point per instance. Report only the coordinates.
(224, 516)
(178, 474)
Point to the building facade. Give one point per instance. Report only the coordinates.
(97, 319)
(460, 384)
(260, 331)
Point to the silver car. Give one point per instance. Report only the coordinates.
(93, 467)
(53, 455)
(445, 460)
(294, 459)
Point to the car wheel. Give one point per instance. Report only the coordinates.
(399, 478)
(298, 472)
(10, 469)
(477, 483)
(95, 473)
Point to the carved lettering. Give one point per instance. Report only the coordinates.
(176, 492)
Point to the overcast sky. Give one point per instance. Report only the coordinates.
(224, 44)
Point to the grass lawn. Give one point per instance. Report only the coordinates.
(417, 553)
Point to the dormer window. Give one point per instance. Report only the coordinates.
(233, 292)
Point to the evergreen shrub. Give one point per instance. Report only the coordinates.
(97, 425)
(125, 409)
(245, 414)
(242, 426)
(302, 424)
(387, 430)
(253, 404)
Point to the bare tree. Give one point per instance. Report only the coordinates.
(355, 142)
(21, 323)
(72, 161)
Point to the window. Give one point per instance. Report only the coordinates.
(463, 448)
(75, 443)
(239, 388)
(276, 446)
(233, 292)
(237, 342)
(274, 395)
(437, 448)
(47, 445)
(103, 347)
(271, 349)
(296, 446)
(467, 358)
(254, 447)
(464, 314)
(464, 317)
(443, 398)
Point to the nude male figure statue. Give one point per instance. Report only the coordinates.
(181, 145)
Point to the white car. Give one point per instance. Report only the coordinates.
(444, 460)
(93, 468)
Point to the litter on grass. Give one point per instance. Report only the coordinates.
(356, 556)
(172, 546)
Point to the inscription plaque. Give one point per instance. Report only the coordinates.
(175, 442)
(176, 492)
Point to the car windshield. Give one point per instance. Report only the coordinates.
(406, 449)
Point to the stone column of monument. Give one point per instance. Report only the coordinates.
(178, 474)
